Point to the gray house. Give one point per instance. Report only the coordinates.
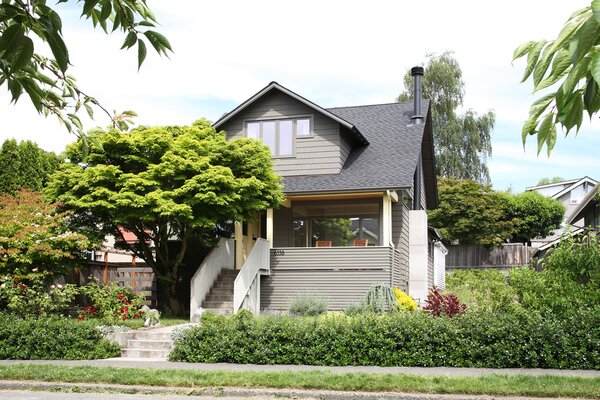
(358, 181)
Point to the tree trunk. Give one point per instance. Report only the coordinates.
(168, 295)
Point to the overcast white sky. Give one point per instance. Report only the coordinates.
(333, 52)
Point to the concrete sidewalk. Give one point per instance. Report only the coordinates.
(419, 371)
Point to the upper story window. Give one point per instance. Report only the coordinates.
(279, 134)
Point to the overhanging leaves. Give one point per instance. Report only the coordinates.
(575, 61)
(45, 79)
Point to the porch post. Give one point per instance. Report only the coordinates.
(270, 227)
(387, 219)
(239, 245)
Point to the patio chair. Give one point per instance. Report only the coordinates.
(323, 243)
(360, 242)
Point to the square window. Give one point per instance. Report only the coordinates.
(303, 127)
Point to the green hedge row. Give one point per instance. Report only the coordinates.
(406, 339)
(52, 338)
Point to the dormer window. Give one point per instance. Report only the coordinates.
(279, 134)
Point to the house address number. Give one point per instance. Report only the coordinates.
(279, 253)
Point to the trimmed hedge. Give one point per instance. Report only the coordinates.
(52, 338)
(404, 339)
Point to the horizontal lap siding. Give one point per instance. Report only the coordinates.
(316, 155)
(342, 275)
(400, 239)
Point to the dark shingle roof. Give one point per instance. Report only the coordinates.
(388, 162)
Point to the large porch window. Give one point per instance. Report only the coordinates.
(340, 224)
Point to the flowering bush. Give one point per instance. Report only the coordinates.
(404, 301)
(439, 304)
(30, 295)
(34, 235)
(111, 302)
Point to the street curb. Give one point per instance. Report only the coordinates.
(241, 392)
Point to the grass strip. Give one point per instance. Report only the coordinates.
(508, 385)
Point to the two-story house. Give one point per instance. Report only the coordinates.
(358, 181)
(570, 193)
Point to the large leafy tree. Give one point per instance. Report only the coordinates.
(462, 142)
(165, 183)
(34, 57)
(568, 67)
(33, 235)
(533, 215)
(473, 213)
(25, 165)
(470, 213)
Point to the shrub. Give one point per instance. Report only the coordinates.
(519, 340)
(404, 301)
(308, 304)
(111, 302)
(29, 294)
(52, 338)
(482, 290)
(380, 298)
(439, 304)
(578, 257)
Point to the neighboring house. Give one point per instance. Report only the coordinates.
(570, 193)
(363, 173)
(588, 211)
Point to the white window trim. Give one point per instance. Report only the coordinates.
(292, 118)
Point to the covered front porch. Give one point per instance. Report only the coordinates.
(337, 245)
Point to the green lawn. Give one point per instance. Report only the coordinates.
(544, 386)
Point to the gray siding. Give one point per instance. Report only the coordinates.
(400, 239)
(400, 271)
(423, 197)
(430, 281)
(315, 155)
(343, 275)
(282, 227)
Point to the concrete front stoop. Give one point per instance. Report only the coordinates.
(145, 343)
(220, 298)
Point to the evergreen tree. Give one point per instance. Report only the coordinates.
(25, 165)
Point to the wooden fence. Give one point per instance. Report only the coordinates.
(138, 277)
(473, 256)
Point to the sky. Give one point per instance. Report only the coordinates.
(335, 53)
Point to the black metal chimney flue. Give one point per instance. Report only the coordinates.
(417, 73)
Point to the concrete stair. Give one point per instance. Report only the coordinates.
(220, 298)
(155, 343)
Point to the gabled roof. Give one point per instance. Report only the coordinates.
(388, 162)
(385, 152)
(570, 185)
(574, 185)
(547, 185)
(276, 86)
(582, 208)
